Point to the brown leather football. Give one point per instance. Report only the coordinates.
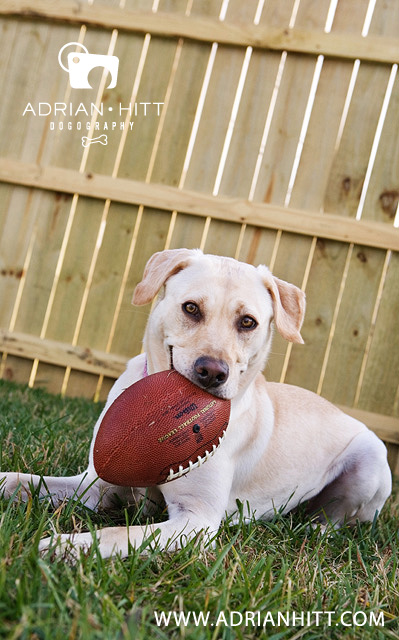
(157, 430)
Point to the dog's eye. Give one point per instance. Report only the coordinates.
(247, 323)
(191, 309)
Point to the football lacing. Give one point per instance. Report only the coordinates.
(192, 465)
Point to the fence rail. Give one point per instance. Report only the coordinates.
(305, 41)
(165, 197)
(62, 354)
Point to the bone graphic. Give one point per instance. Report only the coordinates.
(101, 139)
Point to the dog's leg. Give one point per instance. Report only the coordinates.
(196, 503)
(362, 485)
(171, 535)
(85, 486)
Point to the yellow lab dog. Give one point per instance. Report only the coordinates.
(213, 323)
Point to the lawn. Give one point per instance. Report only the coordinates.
(278, 579)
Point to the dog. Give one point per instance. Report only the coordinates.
(213, 322)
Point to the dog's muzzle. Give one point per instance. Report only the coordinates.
(210, 373)
(207, 373)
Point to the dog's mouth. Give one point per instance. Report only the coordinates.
(171, 365)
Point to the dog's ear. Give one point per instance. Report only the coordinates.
(158, 269)
(288, 305)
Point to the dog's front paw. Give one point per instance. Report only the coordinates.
(66, 545)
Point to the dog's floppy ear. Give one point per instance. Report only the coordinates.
(288, 305)
(158, 269)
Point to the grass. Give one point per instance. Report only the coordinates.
(255, 568)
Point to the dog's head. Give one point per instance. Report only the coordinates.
(213, 320)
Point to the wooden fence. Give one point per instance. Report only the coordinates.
(264, 130)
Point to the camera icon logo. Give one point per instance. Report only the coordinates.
(80, 64)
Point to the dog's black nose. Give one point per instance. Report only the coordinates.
(210, 372)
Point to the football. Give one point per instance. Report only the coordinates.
(157, 430)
